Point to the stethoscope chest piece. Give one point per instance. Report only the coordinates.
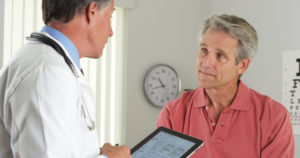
(87, 118)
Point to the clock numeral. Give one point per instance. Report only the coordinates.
(172, 93)
(150, 85)
(157, 72)
(151, 92)
(163, 71)
(156, 98)
(173, 79)
(162, 100)
(298, 60)
(168, 98)
(174, 86)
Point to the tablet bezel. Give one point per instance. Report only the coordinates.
(198, 142)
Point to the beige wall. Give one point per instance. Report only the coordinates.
(159, 31)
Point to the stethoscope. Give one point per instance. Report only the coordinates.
(48, 41)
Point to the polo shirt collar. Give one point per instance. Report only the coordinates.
(240, 102)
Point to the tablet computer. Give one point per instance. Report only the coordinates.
(166, 143)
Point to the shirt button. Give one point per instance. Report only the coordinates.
(206, 107)
(213, 124)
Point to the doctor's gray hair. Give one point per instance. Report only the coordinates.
(65, 10)
(239, 29)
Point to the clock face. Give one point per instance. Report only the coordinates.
(161, 85)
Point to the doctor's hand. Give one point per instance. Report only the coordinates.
(115, 151)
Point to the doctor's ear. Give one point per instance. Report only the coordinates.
(243, 65)
(90, 11)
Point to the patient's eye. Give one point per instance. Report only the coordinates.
(220, 55)
(203, 51)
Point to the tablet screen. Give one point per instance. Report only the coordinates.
(166, 145)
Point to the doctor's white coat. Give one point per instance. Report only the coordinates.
(40, 107)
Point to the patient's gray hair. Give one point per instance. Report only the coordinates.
(239, 29)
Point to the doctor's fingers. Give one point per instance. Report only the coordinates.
(115, 151)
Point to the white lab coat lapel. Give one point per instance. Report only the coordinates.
(85, 90)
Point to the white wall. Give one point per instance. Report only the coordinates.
(278, 27)
(159, 31)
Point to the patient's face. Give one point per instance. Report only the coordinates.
(216, 62)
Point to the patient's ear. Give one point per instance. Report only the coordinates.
(243, 65)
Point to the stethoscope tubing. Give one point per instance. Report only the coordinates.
(38, 37)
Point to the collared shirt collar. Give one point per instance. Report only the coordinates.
(65, 41)
(240, 102)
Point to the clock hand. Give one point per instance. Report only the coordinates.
(161, 83)
(157, 87)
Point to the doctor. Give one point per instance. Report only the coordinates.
(45, 103)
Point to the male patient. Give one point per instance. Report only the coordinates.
(233, 120)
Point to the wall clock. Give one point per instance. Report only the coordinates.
(161, 84)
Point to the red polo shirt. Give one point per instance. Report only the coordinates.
(253, 126)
